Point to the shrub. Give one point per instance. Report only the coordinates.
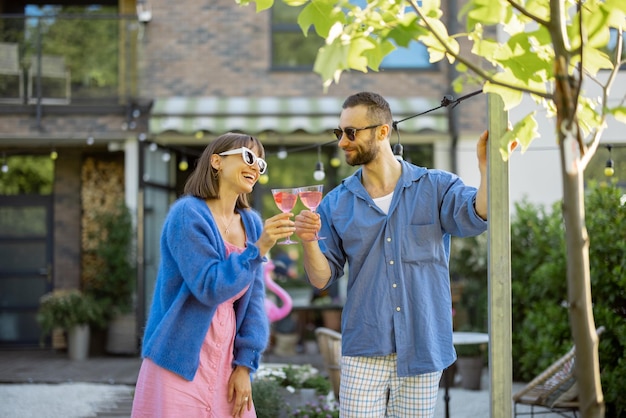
(268, 401)
(66, 308)
(541, 331)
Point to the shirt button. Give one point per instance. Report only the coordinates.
(388, 239)
(394, 285)
(391, 262)
(398, 309)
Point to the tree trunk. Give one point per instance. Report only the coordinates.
(579, 295)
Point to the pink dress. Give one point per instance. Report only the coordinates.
(161, 393)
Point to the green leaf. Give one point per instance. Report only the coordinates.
(356, 53)
(406, 30)
(320, 14)
(523, 133)
(486, 12)
(331, 61)
(619, 113)
(260, 4)
(295, 3)
(510, 97)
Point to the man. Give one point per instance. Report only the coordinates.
(391, 221)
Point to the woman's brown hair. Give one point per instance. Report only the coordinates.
(203, 182)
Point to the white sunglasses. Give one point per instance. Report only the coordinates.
(248, 157)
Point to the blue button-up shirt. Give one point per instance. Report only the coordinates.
(398, 298)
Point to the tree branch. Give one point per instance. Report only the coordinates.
(528, 14)
(482, 74)
(595, 142)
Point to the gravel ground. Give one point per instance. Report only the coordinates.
(65, 400)
(83, 400)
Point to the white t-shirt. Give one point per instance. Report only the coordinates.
(384, 202)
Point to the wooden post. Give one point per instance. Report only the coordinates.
(499, 263)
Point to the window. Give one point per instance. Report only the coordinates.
(292, 50)
(612, 45)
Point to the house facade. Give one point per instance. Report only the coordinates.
(121, 96)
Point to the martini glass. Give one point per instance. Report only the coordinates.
(285, 200)
(311, 197)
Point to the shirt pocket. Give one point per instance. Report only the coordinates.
(421, 243)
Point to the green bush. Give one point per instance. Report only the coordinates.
(268, 401)
(65, 308)
(541, 331)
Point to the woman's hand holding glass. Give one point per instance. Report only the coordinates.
(285, 200)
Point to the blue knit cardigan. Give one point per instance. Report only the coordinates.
(194, 277)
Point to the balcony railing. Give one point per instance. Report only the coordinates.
(68, 59)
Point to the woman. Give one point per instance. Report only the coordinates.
(207, 326)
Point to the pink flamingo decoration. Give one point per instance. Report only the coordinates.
(274, 312)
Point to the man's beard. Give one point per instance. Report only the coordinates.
(364, 154)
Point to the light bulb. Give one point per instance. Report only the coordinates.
(282, 153)
(609, 169)
(335, 161)
(90, 140)
(264, 179)
(166, 157)
(183, 164)
(199, 134)
(153, 147)
(54, 155)
(142, 136)
(319, 174)
(5, 168)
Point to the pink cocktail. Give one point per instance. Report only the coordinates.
(311, 196)
(285, 200)
(311, 199)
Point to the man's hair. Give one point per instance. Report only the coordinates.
(377, 107)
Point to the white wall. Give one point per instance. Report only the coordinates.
(536, 174)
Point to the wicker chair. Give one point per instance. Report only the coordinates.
(554, 390)
(329, 342)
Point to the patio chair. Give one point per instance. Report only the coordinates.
(554, 390)
(329, 342)
(55, 78)
(10, 68)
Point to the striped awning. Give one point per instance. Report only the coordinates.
(186, 115)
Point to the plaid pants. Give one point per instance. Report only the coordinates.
(370, 387)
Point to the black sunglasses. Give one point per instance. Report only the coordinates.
(351, 132)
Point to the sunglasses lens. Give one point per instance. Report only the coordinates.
(248, 157)
(262, 165)
(338, 133)
(350, 132)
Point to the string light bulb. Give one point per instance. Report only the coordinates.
(398, 151)
(319, 173)
(5, 166)
(54, 155)
(335, 161)
(282, 153)
(183, 164)
(609, 168)
(90, 140)
(166, 157)
(264, 178)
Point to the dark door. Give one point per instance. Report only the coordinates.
(25, 266)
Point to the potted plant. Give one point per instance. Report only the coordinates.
(110, 276)
(470, 362)
(74, 312)
(267, 397)
(300, 384)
